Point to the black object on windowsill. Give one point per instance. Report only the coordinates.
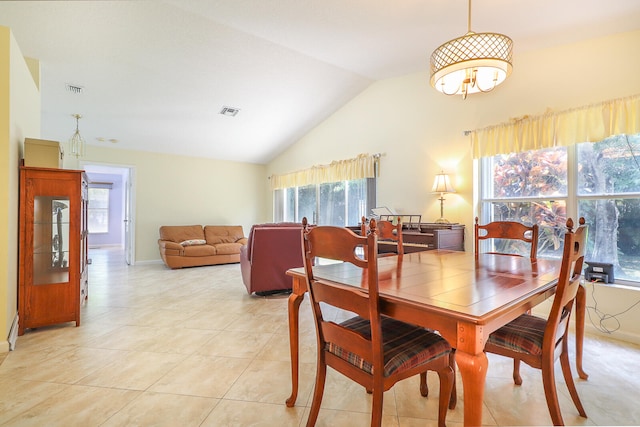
(599, 272)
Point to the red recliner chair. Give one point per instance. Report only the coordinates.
(270, 251)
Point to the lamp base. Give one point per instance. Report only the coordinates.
(442, 221)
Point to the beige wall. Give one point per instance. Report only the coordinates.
(19, 117)
(180, 190)
(421, 131)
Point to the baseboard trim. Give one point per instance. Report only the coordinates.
(616, 335)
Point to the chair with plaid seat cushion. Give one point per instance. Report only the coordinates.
(508, 238)
(540, 342)
(373, 350)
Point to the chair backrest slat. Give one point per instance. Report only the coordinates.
(510, 230)
(352, 299)
(336, 243)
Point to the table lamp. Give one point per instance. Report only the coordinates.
(442, 185)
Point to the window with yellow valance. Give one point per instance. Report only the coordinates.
(360, 167)
(584, 124)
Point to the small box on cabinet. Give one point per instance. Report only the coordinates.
(42, 153)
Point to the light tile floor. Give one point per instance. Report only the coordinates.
(160, 347)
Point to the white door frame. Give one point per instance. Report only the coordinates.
(128, 172)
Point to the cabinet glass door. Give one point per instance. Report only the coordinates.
(51, 240)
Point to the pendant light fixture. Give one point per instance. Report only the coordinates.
(475, 62)
(76, 143)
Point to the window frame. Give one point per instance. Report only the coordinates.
(280, 207)
(572, 198)
(104, 211)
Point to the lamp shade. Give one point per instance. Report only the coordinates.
(472, 63)
(442, 184)
(475, 62)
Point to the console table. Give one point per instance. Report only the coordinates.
(430, 236)
(439, 236)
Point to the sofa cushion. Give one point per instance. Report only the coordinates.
(215, 234)
(180, 233)
(200, 250)
(228, 248)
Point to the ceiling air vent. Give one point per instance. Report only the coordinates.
(74, 89)
(229, 111)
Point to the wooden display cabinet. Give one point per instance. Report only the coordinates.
(52, 276)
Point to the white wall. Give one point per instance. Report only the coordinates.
(421, 130)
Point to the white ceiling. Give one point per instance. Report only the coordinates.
(156, 73)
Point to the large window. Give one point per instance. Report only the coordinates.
(98, 210)
(598, 181)
(340, 203)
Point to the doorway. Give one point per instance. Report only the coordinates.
(114, 225)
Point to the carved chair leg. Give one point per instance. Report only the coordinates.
(517, 379)
(424, 388)
(376, 410)
(318, 391)
(453, 399)
(447, 381)
(550, 392)
(568, 378)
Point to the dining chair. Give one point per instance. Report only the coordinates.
(373, 350)
(386, 231)
(502, 231)
(539, 342)
(508, 230)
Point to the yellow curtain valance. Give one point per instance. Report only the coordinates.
(585, 124)
(363, 166)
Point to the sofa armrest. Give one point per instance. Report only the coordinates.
(242, 240)
(167, 245)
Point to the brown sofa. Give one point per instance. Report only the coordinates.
(195, 245)
(270, 251)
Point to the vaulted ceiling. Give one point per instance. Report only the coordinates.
(154, 75)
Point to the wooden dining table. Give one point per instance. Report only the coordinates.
(461, 296)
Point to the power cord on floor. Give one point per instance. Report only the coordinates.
(603, 317)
